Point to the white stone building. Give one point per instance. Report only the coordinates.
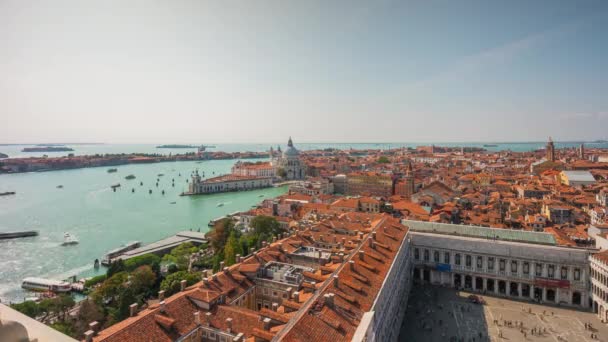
(516, 264)
(289, 161)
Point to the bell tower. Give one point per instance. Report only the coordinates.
(550, 150)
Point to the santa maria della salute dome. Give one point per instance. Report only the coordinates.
(288, 163)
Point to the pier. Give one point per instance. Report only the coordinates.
(165, 245)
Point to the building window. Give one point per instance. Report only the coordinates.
(479, 262)
(426, 255)
(526, 267)
(491, 263)
(551, 271)
(564, 272)
(501, 265)
(446, 257)
(457, 259)
(436, 256)
(513, 266)
(468, 261)
(539, 270)
(577, 274)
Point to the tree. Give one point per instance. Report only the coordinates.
(281, 173)
(116, 267)
(110, 288)
(219, 234)
(232, 248)
(171, 284)
(28, 308)
(142, 280)
(151, 260)
(383, 160)
(180, 255)
(87, 312)
(265, 226)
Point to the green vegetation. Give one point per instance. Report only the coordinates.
(227, 241)
(383, 160)
(95, 280)
(171, 284)
(281, 173)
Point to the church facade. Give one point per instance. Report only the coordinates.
(288, 163)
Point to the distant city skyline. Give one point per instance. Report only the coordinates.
(322, 72)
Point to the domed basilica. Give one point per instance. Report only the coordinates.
(289, 161)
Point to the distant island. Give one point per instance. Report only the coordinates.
(47, 149)
(176, 146)
(2, 155)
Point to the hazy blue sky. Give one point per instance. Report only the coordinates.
(256, 71)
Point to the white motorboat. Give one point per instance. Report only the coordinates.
(69, 239)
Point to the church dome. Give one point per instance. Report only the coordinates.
(291, 151)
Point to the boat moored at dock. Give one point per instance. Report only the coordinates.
(41, 284)
(107, 259)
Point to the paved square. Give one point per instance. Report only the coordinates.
(442, 314)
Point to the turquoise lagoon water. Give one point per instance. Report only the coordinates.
(101, 219)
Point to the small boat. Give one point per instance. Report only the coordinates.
(133, 190)
(261, 195)
(112, 170)
(141, 183)
(7, 193)
(220, 204)
(114, 186)
(130, 177)
(161, 174)
(59, 186)
(150, 191)
(40, 284)
(163, 192)
(69, 239)
(172, 202)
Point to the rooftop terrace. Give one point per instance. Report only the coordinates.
(482, 232)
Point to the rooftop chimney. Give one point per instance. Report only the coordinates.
(251, 250)
(205, 281)
(229, 324)
(370, 242)
(275, 307)
(163, 306)
(351, 264)
(360, 235)
(225, 269)
(222, 265)
(208, 318)
(321, 237)
(238, 258)
(161, 295)
(197, 318)
(183, 284)
(374, 235)
(361, 254)
(296, 296)
(88, 335)
(94, 326)
(341, 256)
(329, 299)
(266, 323)
(336, 281)
(263, 243)
(133, 309)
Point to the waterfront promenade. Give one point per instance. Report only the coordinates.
(164, 245)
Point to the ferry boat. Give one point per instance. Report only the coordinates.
(69, 239)
(112, 170)
(107, 259)
(41, 284)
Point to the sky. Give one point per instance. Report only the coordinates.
(177, 71)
